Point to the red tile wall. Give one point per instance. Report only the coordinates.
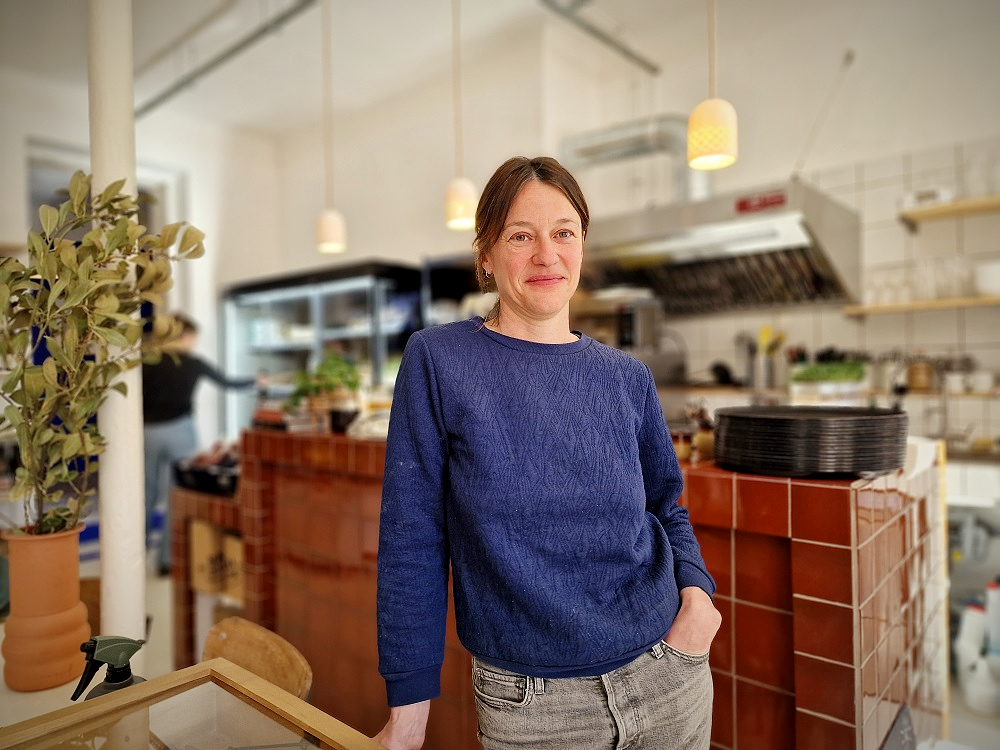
(833, 602)
(326, 492)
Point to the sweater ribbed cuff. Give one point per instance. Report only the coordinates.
(413, 687)
(691, 575)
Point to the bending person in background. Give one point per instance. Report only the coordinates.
(168, 423)
(536, 463)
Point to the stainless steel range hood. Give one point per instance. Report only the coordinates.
(782, 244)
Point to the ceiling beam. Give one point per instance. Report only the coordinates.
(230, 52)
(568, 12)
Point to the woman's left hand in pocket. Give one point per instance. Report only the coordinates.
(696, 623)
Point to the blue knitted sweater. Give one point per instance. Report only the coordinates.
(544, 475)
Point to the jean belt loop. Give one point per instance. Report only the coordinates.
(657, 650)
(538, 685)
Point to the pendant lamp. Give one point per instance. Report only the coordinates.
(460, 198)
(711, 139)
(331, 230)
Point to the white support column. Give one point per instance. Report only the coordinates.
(122, 506)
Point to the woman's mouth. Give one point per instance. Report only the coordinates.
(546, 280)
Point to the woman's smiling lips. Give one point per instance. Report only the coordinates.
(545, 280)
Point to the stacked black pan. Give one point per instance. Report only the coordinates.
(800, 441)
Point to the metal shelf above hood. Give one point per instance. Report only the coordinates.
(784, 244)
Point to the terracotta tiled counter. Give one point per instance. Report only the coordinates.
(308, 509)
(834, 603)
(833, 593)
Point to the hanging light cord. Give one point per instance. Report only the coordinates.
(456, 82)
(327, 103)
(824, 112)
(711, 49)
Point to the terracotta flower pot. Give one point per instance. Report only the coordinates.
(47, 621)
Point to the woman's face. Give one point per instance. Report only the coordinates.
(536, 262)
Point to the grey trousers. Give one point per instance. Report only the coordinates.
(163, 444)
(662, 700)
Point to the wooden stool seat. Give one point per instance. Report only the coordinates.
(261, 651)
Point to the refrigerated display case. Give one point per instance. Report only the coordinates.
(285, 325)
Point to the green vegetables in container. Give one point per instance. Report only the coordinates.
(826, 372)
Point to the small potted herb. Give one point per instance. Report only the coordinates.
(330, 389)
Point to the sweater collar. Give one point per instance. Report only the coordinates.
(533, 347)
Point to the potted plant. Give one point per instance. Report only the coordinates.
(70, 325)
(330, 389)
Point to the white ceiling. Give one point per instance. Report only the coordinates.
(380, 47)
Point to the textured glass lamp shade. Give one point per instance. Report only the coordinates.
(460, 201)
(711, 139)
(331, 232)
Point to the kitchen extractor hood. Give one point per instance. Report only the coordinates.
(784, 244)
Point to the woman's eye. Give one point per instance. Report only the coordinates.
(519, 237)
(564, 234)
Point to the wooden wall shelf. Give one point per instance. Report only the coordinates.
(951, 303)
(913, 217)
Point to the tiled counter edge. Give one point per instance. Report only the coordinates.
(834, 601)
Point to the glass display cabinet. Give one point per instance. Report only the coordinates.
(215, 705)
(285, 325)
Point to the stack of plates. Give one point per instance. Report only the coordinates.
(799, 441)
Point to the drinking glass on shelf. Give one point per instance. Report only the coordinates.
(924, 281)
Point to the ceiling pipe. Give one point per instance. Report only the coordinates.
(600, 35)
(666, 134)
(259, 33)
(170, 48)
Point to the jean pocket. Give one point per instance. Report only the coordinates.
(684, 655)
(501, 690)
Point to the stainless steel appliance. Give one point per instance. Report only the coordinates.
(633, 322)
(780, 245)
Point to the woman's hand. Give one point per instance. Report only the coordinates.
(696, 623)
(406, 727)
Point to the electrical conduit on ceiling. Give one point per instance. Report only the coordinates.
(267, 27)
(569, 13)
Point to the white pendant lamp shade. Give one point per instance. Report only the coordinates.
(711, 141)
(331, 229)
(460, 201)
(331, 232)
(712, 124)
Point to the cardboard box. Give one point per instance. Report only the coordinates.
(207, 562)
(232, 551)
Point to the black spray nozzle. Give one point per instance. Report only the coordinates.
(113, 650)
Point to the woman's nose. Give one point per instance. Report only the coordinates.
(545, 251)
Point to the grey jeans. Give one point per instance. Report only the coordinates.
(163, 444)
(662, 700)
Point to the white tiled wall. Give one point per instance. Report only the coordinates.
(894, 261)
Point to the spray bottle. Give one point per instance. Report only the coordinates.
(115, 651)
(131, 732)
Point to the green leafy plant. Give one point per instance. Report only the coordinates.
(334, 373)
(847, 371)
(70, 325)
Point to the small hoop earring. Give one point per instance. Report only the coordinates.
(486, 274)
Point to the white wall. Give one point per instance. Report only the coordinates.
(32, 111)
(393, 163)
(924, 78)
(225, 185)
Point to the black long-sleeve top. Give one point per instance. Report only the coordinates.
(168, 387)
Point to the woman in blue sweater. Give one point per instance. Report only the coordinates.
(535, 463)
